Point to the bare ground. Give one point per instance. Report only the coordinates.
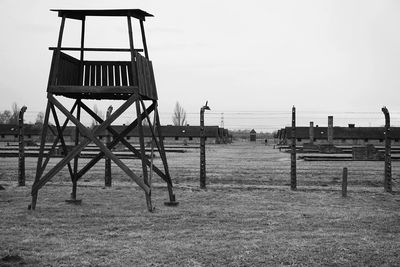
(247, 217)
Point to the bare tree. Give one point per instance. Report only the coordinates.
(99, 113)
(8, 116)
(39, 119)
(14, 114)
(5, 116)
(179, 117)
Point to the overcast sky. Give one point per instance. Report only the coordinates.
(252, 60)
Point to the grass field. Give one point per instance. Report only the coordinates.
(248, 216)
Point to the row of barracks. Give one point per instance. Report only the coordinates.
(171, 134)
(338, 136)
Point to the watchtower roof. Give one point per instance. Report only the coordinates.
(80, 14)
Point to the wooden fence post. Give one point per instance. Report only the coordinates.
(293, 178)
(21, 150)
(344, 182)
(107, 160)
(387, 182)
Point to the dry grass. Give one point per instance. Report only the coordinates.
(247, 217)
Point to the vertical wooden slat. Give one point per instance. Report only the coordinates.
(87, 74)
(98, 75)
(153, 82)
(81, 64)
(147, 77)
(124, 78)
(104, 75)
(110, 75)
(117, 75)
(92, 74)
(143, 70)
(139, 72)
(130, 75)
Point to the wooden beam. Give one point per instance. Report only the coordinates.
(93, 89)
(76, 158)
(61, 137)
(98, 49)
(34, 190)
(146, 52)
(58, 52)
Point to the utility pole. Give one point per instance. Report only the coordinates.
(203, 147)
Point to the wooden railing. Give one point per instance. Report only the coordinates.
(68, 72)
(107, 74)
(146, 78)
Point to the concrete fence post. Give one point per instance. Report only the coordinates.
(21, 149)
(344, 182)
(107, 160)
(203, 147)
(330, 130)
(387, 182)
(293, 176)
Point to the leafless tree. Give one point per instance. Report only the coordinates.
(99, 113)
(14, 114)
(5, 116)
(179, 117)
(8, 116)
(39, 119)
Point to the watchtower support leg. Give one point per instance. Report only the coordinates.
(76, 159)
(164, 156)
(40, 157)
(161, 149)
(143, 155)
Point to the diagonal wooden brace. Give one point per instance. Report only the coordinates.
(119, 137)
(90, 137)
(43, 166)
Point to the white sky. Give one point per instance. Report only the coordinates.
(252, 60)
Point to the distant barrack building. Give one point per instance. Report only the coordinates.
(171, 134)
(253, 136)
(341, 136)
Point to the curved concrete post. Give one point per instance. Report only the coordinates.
(21, 150)
(387, 182)
(203, 147)
(107, 170)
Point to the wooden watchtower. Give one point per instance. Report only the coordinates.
(79, 79)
